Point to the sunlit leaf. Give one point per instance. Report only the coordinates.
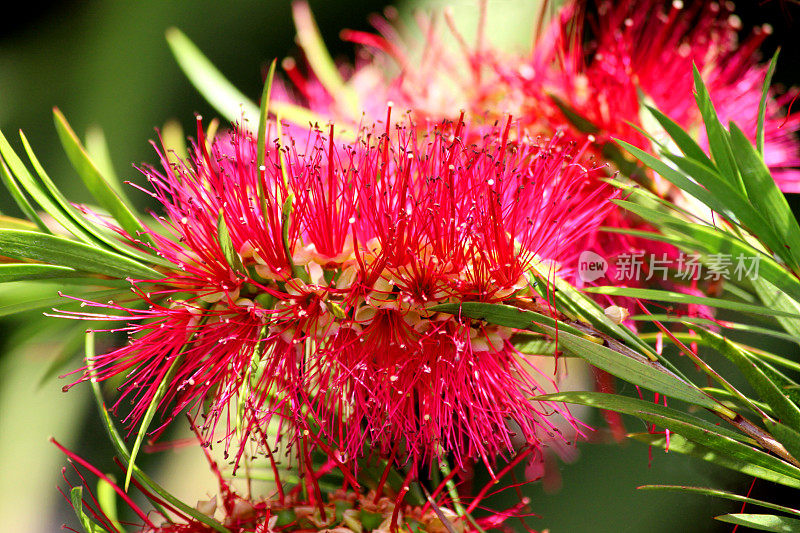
(114, 202)
(67, 253)
(682, 298)
(766, 388)
(721, 494)
(763, 522)
(639, 408)
(680, 444)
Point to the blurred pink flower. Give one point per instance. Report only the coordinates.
(602, 66)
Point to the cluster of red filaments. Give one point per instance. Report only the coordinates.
(302, 287)
(592, 68)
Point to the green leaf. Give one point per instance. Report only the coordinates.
(25, 271)
(764, 194)
(76, 498)
(784, 408)
(122, 452)
(717, 136)
(107, 500)
(763, 522)
(681, 298)
(19, 197)
(736, 399)
(41, 303)
(638, 408)
(786, 436)
(18, 223)
(682, 139)
(729, 447)
(51, 206)
(222, 95)
(699, 231)
(262, 119)
(92, 233)
(115, 203)
(726, 324)
(710, 240)
(533, 344)
(775, 298)
(97, 148)
(762, 105)
(501, 315)
(320, 60)
(589, 311)
(672, 175)
(63, 252)
(789, 386)
(633, 367)
(150, 413)
(680, 444)
(226, 245)
(721, 494)
(580, 122)
(219, 92)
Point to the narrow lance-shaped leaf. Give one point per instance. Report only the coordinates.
(107, 500)
(150, 413)
(672, 175)
(124, 455)
(721, 494)
(54, 250)
(681, 444)
(19, 197)
(320, 60)
(97, 148)
(717, 136)
(39, 194)
(775, 298)
(680, 137)
(221, 94)
(763, 522)
(114, 202)
(762, 105)
(28, 271)
(76, 499)
(633, 367)
(786, 436)
(502, 315)
(681, 298)
(639, 408)
(784, 408)
(728, 446)
(765, 195)
(226, 245)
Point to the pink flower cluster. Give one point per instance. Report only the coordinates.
(301, 288)
(601, 64)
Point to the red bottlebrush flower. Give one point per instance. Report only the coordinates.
(600, 68)
(640, 49)
(301, 288)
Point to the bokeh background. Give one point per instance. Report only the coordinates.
(107, 64)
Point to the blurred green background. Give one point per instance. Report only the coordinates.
(107, 64)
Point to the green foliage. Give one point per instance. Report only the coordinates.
(750, 218)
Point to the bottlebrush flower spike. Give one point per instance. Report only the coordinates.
(599, 68)
(640, 53)
(301, 287)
